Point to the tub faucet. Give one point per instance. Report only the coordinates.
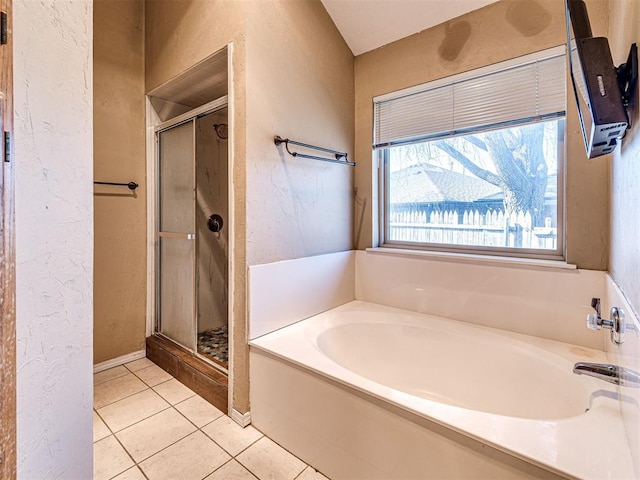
(609, 373)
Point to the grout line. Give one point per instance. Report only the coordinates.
(247, 448)
(187, 418)
(125, 365)
(154, 385)
(141, 420)
(163, 449)
(209, 423)
(114, 378)
(131, 457)
(128, 396)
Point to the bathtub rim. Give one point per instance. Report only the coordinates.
(604, 413)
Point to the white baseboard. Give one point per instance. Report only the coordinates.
(114, 362)
(242, 419)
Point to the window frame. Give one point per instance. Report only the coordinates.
(558, 254)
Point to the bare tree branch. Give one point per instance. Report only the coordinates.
(478, 142)
(463, 160)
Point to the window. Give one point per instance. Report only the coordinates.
(474, 163)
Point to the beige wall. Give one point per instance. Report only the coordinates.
(119, 156)
(179, 33)
(500, 31)
(624, 259)
(299, 86)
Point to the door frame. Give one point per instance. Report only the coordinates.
(155, 126)
(8, 262)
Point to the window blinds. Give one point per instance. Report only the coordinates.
(518, 91)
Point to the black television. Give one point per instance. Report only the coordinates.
(599, 86)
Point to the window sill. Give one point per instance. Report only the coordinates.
(471, 258)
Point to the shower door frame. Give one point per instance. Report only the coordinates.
(190, 116)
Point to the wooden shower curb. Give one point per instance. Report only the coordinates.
(190, 370)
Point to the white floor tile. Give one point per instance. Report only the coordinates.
(152, 375)
(130, 410)
(173, 391)
(106, 375)
(116, 389)
(231, 471)
(193, 457)
(268, 461)
(139, 364)
(198, 411)
(155, 433)
(131, 474)
(100, 430)
(109, 459)
(231, 436)
(310, 473)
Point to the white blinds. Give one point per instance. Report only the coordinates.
(514, 92)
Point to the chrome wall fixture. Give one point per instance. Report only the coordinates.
(609, 373)
(617, 323)
(222, 130)
(339, 157)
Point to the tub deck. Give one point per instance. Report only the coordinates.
(587, 445)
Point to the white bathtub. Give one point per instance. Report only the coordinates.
(387, 393)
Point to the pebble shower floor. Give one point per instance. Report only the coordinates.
(215, 344)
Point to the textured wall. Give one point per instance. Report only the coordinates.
(500, 31)
(179, 33)
(624, 263)
(299, 85)
(119, 156)
(54, 237)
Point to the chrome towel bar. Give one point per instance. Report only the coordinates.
(340, 157)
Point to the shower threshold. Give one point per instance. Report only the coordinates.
(194, 370)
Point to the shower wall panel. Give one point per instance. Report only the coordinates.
(212, 197)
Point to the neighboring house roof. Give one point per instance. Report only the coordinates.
(430, 184)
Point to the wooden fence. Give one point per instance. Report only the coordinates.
(495, 228)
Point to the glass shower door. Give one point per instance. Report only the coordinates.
(176, 308)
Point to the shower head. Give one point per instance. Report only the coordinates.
(222, 130)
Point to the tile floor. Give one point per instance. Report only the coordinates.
(147, 425)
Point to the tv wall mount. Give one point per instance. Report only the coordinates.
(627, 75)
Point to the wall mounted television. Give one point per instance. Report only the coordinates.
(604, 93)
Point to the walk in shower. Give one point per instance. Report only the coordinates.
(192, 242)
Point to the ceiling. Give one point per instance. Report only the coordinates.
(369, 24)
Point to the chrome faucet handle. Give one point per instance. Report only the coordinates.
(617, 324)
(593, 321)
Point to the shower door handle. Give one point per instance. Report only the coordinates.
(215, 223)
(186, 236)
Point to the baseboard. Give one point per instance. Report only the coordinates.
(242, 419)
(114, 362)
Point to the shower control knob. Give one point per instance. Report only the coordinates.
(592, 322)
(215, 223)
